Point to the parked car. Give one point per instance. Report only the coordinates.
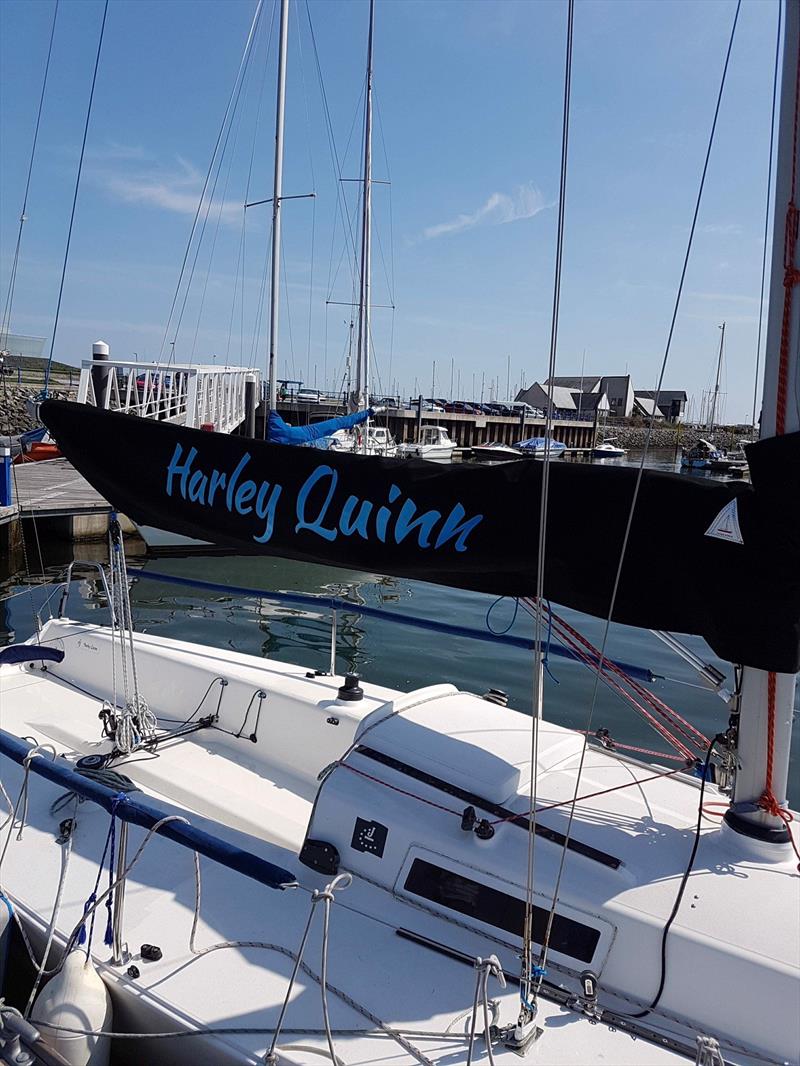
(308, 396)
(460, 407)
(517, 407)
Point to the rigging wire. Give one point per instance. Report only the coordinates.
(75, 196)
(538, 676)
(233, 95)
(313, 189)
(766, 215)
(5, 324)
(640, 471)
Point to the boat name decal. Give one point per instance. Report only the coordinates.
(318, 507)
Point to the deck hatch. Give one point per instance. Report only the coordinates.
(489, 905)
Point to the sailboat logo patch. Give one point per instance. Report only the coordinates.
(726, 525)
(369, 836)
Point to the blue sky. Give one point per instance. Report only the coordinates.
(469, 100)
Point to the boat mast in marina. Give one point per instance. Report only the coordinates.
(277, 193)
(714, 399)
(766, 704)
(361, 396)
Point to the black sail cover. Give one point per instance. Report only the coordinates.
(717, 559)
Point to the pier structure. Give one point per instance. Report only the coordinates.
(468, 431)
(220, 398)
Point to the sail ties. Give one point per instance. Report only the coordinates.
(134, 724)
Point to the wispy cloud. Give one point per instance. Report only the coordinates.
(722, 229)
(177, 189)
(525, 202)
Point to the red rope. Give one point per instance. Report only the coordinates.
(692, 734)
(592, 656)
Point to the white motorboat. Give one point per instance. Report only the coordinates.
(541, 448)
(434, 443)
(495, 452)
(607, 449)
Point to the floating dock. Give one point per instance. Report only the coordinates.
(55, 494)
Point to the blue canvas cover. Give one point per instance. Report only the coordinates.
(280, 432)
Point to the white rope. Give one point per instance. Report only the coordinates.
(359, 1008)
(135, 723)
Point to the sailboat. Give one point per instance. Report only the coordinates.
(705, 453)
(296, 866)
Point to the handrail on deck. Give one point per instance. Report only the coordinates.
(147, 815)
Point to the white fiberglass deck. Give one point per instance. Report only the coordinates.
(260, 794)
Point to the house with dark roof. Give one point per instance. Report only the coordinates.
(567, 403)
(671, 402)
(617, 387)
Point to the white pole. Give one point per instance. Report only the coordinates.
(767, 700)
(362, 380)
(277, 192)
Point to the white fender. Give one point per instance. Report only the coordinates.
(6, 922)
(76, 997)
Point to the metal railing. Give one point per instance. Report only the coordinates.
(187, 395)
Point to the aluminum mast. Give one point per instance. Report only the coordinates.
(362, 363)
(277, 194)
(767, 699)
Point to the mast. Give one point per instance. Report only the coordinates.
(767, 699)
(277, 193)
(362, 365)
(715, 397)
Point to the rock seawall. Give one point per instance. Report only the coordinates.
(633, 437)
(14, 417)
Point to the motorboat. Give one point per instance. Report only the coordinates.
(494, 452)
(541, 448)
(434, 443)
(700, 455)
(607, 449)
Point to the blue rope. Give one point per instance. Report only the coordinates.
(501, 632)
(108, 849)
(8, 904)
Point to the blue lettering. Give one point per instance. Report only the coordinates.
(302, 497)
(197, 487)
(244, 494)
(176, 467)
(384, 514)
(266, 502)
(234, 478)
(348, 525)
(406, 523)
(218, 481)
(454, 527)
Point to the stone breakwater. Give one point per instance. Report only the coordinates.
(14, 416)
(633, 437)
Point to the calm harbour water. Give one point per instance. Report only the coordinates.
(388, 654)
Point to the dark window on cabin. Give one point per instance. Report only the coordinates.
(499, 909)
